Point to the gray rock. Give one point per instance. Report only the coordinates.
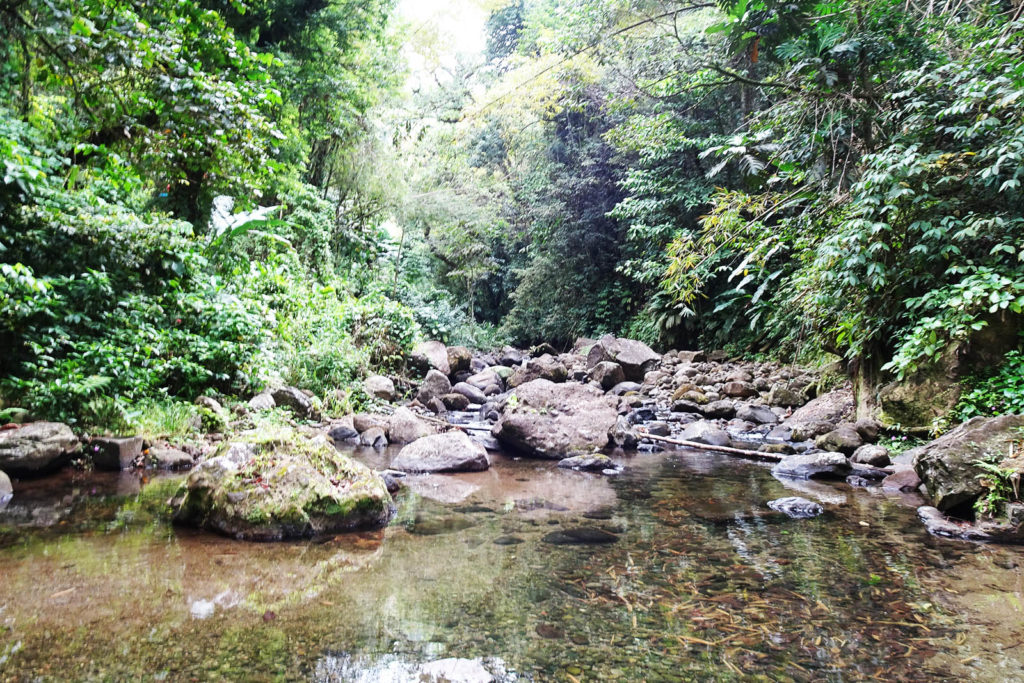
(213, 405)
(832, 408)
(796, 507)
(546, 367)
(460, 359)
(262, 401)
(868, 429)
(782, 395)
(343, 433)
(455, 401)
(624, 388)
(380, 387)
(813, 466)
(720, 410)
(169, 458)
(286, 488)
(947, 464)
(658, 428)
(449, 452)
(510, 357)
(6, 489)
(739, 389)
(549, 420)
(845, 439)
(373, 437)
(607, 374)
(432, 354)
(682, 406)
(404, 426)
(592, 462)
(434, 385)
(37, 447)
(622, 434)
(904, 481)
(484, 379)
(471, 392)
(296, 401)
(707, 433)
(870, 454)
(757, 414)
(580, 536)
(635, 358)
(437, 406)
(363, 421)
(112, 453)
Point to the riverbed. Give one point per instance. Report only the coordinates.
(673, 569)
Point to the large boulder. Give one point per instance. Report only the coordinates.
(449, 452)
(296, 401)
(546, 367)
(435, 385)
(845, 439)
(635, 358)
(761, 415)
(432, 354)
(607, 374)
(282, 486)
(459, 359)
(547, 420)
(404, 426)
(707, 433)
(474, 394)
(37, 448)
(948, 465)
(813, 466)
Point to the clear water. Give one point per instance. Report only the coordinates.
(702, 582)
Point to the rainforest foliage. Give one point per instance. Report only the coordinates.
(208, 196)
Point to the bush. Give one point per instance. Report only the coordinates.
(998, 394)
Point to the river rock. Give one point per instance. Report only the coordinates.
(548, 420)
(281, 487)
(634, 357)
(460, 359)
(739, 389)
(782, 395)
(166, 458)
(115, 453)
(622, 434)
(262, 401)
(904, 481)
(868, 429)
(449, 452)
(454, 401)
(813, 466)
(296, 401)
(363, 421)
(343, 432)
(6, 488)
(432, 354)
(374, 437)
(844, 439)
(759, 415)
(947, 464)
(796, 507)
(37, 448)
(404, 426)
(830, 408)
(584, 535)
(607, 374)
(380, 387)
(870, 454)
(707, 433)
(719, 410)
(484, 379)
(592, 462)
(545, 367)
(434, 385)
(212, 405)
(474, 395)
(623, 388)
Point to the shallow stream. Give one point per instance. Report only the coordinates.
(484, 574)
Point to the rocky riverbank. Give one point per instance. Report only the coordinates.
(605, 396)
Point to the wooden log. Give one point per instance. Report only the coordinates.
(739, 452)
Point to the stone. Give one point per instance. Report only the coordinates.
(592, 462)
(404, 426)
(694, 396)
(432, 354)
(511, 357)
(796, 507)
(471, 392)
(169, 458)
(760, 415)
(691, 356)
(719, 410)
(545, 367)
(707, 433)
(380, 387)
(460, 359)
(114, 454)
(279, 487)
(343, 433)
(37, 448)
(453, 401)
(634, 357)
(584, 535)
(213, 405)
(363, 421)
(682, 406)
(296, 401)
(904, 481)
(833, 408)
(484, 379)
(623, 388)
(739, 389)
(437, 406)
(434, 385)
(868, 429)
(547, 420)
(374, 437)
(452, 451)
(607, 374)
(622, 434)
(782, 395)
(813, 466)
(844, 439)
(6, 489)
(262, 401)
(947, 464)
(870, 454)
(658, 428)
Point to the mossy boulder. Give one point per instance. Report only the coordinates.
(280, 485)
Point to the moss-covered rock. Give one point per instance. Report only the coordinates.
(279, 485)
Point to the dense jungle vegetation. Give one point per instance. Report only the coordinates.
(207, 196)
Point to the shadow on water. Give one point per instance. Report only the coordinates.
(673, 570)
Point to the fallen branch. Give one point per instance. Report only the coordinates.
(740, 452)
